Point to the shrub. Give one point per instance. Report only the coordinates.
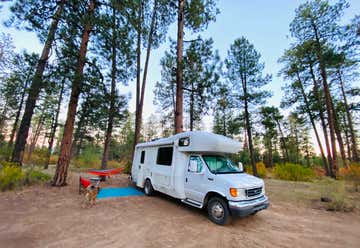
(5, 151)
(89, 158)
(293, 172)
(127, 167)
(10, 177)
(113, 164)
(260, 167)
(335, 192)
(38, 157)
(34, 176)
(351, 173)
(53, 159)
(319, 172)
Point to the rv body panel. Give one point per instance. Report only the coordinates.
(189, 165)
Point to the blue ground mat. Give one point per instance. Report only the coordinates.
(118, 192)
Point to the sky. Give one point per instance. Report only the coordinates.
(264, 23)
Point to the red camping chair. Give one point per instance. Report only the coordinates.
(84, 183)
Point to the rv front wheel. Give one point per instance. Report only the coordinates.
(148, 188)
(218, 211)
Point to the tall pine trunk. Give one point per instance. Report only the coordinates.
(138, 78)
(322, 120)
(309, 112)
(54, 125)
(248, 128)
(282, 139)
(112, 109)
(179, 69)
(140, 106)
(65, 150)
(355, 156)
(328, 101)
(35, 88)
(347, 138)
(338, 135)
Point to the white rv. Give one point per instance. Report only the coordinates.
(193, 167)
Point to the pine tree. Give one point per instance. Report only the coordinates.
(244, 71)
(36, 15)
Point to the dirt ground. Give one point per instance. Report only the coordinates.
(42, 216)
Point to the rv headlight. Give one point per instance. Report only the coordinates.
(235, 192)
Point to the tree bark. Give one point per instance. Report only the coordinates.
(338, 135)
(65, 150)
(355, 155)
(347, 138)
(54, 125)
(35, 88)
(112, 109)
(179, 71)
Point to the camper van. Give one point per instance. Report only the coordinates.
(194, 167)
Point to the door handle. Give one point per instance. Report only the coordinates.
(210, 179)
(186, 179)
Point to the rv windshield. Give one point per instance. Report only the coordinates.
(220, 164)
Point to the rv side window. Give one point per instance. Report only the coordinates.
(142, 157)
(184, 141)
(164, 156)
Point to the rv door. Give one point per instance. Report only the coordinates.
(140, 168)
(194, 179)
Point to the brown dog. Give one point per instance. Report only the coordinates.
(90, 194)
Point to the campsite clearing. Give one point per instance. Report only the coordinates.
(43, 216)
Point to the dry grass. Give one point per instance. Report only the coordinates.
(308, 194)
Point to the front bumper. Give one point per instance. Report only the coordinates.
(244, 208)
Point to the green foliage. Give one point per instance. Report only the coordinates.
(200, 72)
(38, 157)
(244, 156)
(199, 13)
(11, 177)
(5, 151)
(34, 176)
(89, 157)
(293, 172)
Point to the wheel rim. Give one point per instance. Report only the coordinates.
(217, 211)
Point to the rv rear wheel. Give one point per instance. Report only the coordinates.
(218, 211)
(148, 188)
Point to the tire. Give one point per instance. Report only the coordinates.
(148, 188)
(218, 211)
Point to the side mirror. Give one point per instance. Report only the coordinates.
(241, 167)
(193, 166)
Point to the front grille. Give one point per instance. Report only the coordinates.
(253, 192)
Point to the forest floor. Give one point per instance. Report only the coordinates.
(43, 216)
